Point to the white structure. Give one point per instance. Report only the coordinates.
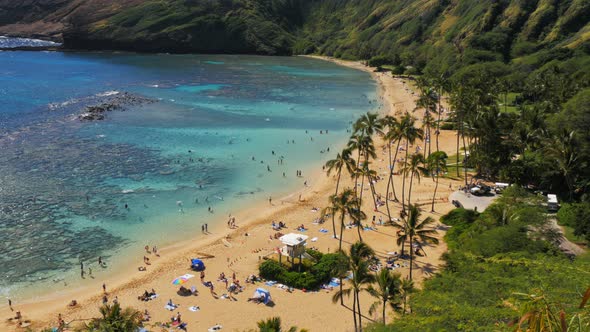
(295, 244)
(552, 203)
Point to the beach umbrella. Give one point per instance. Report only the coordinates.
(197, 265)
(263, 294)
(182, 279)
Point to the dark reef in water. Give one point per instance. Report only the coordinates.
(116, 102)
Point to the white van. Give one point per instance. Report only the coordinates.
(552, 203)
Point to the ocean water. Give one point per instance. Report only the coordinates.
(71, 190)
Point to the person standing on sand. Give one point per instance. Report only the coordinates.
(206, 228)
(270, 200)
(104, 288)
(10, 304)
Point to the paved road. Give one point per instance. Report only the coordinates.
(471, 201)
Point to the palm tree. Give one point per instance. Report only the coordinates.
(410, 133)
(414, 167)
(406, 288)
(357, 261)
(364, 145)
(436, 164)
(387, 291)
(415, 229)
(357, 215)
(365, 172)
(342, 160)
(427, 123)
(564, 149)
(369, 124)
(364, 128)
(346, 204)
(393, 134)
(427, 101)
(274, 325)
(115, 319)
(441, 85)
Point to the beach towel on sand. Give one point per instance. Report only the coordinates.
(194, 308)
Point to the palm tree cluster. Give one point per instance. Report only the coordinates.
(398, 134)
(387, 287)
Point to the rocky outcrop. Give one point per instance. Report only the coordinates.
(115, 102)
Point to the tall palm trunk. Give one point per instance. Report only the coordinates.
(411, 256)
(384, 303)
(426, 138)
(358, 305)
(410, 189)
(464, 154)
(341, 231)
(434, 196)
(340, 249)
(389, 181)
(357, 166)
(354, 311)
(358, 223)
(335, 194)
(372, 187)
(429, 139)
(393, 168)
(404, 180)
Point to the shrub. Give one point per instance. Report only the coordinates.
(314, 253)
(311, 277)
(326, 267)
(271, 270)
(379, 61)
(577, 216)
(458, 216)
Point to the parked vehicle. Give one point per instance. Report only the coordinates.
(552, 203)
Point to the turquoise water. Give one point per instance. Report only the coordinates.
(208, 141)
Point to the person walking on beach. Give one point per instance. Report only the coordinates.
(206, 228)
(104, 288)
(270, 200)
(202, 228)
(10, 304)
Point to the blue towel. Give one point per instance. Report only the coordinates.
(270, 283)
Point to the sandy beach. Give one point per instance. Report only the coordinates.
(240, 250)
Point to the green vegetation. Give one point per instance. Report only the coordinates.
(114, 319)
(577, 217)
(310, 277)
(274, 325)
(494, 259)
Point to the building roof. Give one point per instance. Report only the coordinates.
(293, 239)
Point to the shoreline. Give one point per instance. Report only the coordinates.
(44, 309)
